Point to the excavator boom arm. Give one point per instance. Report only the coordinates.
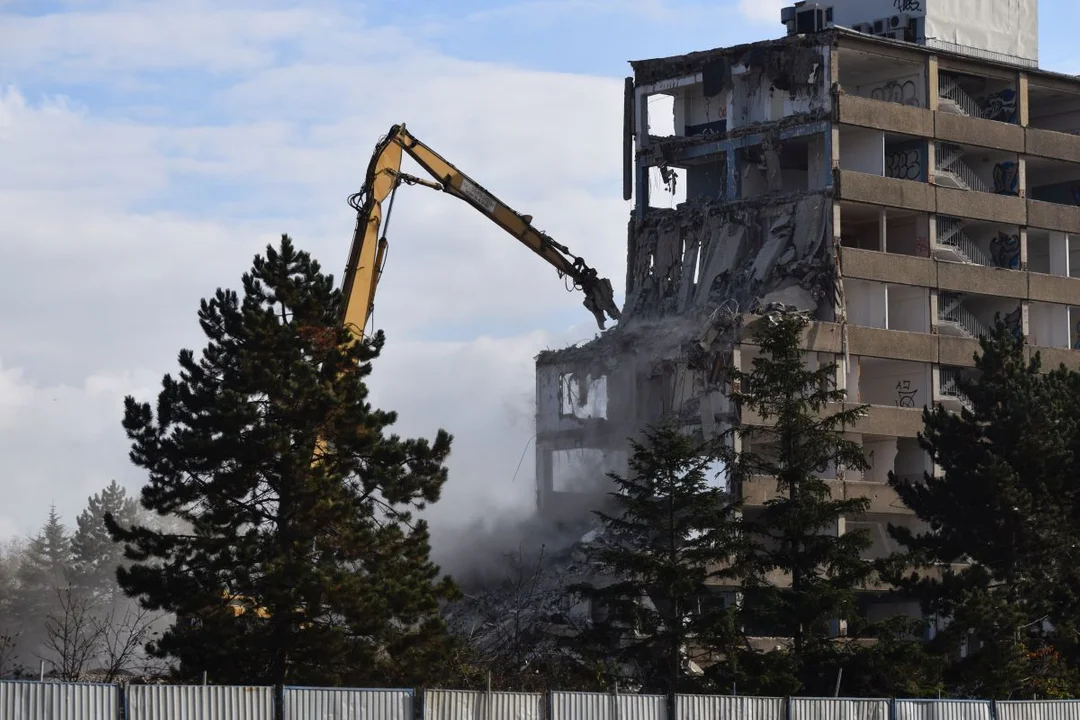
(369, 249)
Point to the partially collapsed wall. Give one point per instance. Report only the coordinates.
(694, 271)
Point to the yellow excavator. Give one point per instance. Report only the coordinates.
(368, 253)
(384, 176)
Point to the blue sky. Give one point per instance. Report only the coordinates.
(152, 147)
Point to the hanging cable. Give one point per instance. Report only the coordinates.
(522, 459)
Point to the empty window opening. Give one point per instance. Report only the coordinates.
(860, 226)
(907, 233)
(585, 470)
(894, 383)
(877, 527)
(877, 77)
(866, 303)
(1052, 109)
(667, 187)
(908, 308)
(696, 114)
(583, 396)
(862, 150)
(1053, 181)
(780, 168)
(707, 180)
(905, 158)
(660, 114)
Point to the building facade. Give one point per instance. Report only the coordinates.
(902, 191)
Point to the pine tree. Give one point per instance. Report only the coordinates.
(46, 564)
(797, 534)
(96, 556)
(670, 532)
(326, 556)
(44, 569)
(999, 558)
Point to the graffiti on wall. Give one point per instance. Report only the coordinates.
(908, 6)
(1015, 322)
(922, 246)
(903, 92)
(1007, 178)
(1005, 251)
(905, 394)
(905, 164)
(1000, 106)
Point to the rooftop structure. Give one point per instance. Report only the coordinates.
(903, 193)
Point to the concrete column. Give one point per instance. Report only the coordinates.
(641, 138)
(1021, 176)
(832, 57)
(1022, 106)
(733, 186)
(931, 234)
(544, 479)
(932, 82)
(1024, 249)
(883, 230)
(832, 150)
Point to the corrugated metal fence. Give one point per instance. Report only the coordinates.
(727, 707)
(25, 700)
(607, 706)
(198, 702)
(58, 701)
(839, 709)
(1038, 710)
(466, 705)
(944, 710)
(345, 704)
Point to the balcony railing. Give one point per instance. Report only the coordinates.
(951, 165)
(950, 234)
(956, 98)
(951, 311)
(950, 386)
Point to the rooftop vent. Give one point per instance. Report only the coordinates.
(804, 18)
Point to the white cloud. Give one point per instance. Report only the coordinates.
(121, 214)
(763, 11)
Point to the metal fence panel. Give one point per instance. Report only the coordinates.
(838, 709)
(607, 706)
(347, 704)
(472, 705)
(944, 710)
(729, 707)
(1038, 710)
(199, 702)
(26, 700)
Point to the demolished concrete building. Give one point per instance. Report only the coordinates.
(903, 190)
